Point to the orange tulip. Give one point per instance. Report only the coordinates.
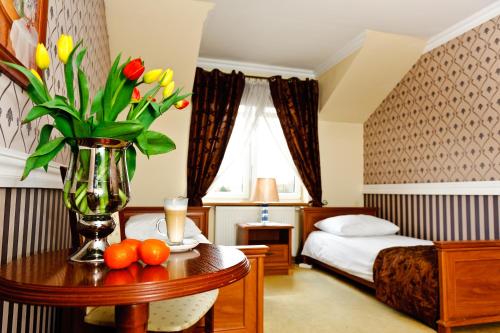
(181, 104)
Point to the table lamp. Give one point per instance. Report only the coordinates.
(265, 191)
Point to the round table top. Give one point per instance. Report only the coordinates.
(50, 279)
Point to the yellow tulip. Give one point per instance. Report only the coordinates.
(42, 57)
(169, 90)
(64, 47)
(34, 72)
(152, 75)
(167, 77)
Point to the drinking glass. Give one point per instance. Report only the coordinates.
(175, 218)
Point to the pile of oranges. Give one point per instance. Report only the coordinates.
(150, 252)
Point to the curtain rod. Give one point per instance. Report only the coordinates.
(256, 77)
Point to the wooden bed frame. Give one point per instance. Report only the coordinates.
(469, 273)
(240, 306)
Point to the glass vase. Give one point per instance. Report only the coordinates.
(96, 186)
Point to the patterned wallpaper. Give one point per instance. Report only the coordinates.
(35, 220)
(441, 123)
(83, 20)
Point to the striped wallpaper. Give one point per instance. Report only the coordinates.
(440, 217)
(31, 221)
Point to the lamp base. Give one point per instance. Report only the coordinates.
(264, 213)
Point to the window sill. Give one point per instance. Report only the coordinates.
(246, 203)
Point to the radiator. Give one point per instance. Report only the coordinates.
(227, 218)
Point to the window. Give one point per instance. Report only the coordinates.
(257, 148)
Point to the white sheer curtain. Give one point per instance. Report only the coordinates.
(256, 108)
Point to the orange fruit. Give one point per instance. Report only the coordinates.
(154, 274)
(118, 256)
(133, 244)
(118, 277)
(153, 251)
(134, 269)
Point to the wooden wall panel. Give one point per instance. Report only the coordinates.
(440, 217)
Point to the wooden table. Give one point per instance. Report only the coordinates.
(50, 279)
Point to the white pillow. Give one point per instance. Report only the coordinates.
(357, 226)
(143, 226)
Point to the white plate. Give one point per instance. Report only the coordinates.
(187, 244)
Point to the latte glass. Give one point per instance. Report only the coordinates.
(175, 218)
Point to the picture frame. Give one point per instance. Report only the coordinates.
(23, 24)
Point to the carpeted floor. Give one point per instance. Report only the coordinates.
(311, 301)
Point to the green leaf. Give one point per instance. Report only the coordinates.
(125, 130)
(43, 155)
(154, 143)
(38, 87)
(149, 115)
(48, 147)
(63, 125)
(36, 112)
(69, 75)
(96, 107)
(83, 88)
(83, 85)
(34, 95)
(108, 90)
(61, 106)
(45, 133)
(122, 99)
(81, 129)
(79, 57)
(143, 104)
(131, 159)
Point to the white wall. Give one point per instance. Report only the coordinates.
(341, 153)
(164, 34)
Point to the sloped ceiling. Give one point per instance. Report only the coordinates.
(353, 88)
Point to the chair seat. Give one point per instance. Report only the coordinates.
(165, 316)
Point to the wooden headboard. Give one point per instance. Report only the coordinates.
(311, 215)
(199, 215)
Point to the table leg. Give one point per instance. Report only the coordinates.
(132, 318)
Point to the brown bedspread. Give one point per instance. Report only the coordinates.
(406, 279)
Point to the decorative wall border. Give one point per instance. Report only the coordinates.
(12, 166)
(450, 188)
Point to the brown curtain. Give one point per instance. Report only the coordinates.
(215, 101)
(296, 102)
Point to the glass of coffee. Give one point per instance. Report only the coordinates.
(175, 218)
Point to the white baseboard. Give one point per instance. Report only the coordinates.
(452, 188)
(12, 166)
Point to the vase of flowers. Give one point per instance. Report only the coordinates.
(103, 135)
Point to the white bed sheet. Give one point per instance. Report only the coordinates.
(354, 255)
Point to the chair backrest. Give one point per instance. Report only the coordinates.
(73, 218)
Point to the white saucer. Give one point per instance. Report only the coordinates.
(187, 244)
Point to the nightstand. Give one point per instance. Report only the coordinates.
(277, 236)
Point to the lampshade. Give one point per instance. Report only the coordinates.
(265, 190)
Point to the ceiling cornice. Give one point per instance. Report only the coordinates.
(253, 68)
(463, 26)
(352, 46)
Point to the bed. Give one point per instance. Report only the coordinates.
(239, 306)
(467, 274)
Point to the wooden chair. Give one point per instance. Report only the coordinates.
(175, 315)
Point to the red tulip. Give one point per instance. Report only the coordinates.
(181, 104)
(134, 69)
(136, 95)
